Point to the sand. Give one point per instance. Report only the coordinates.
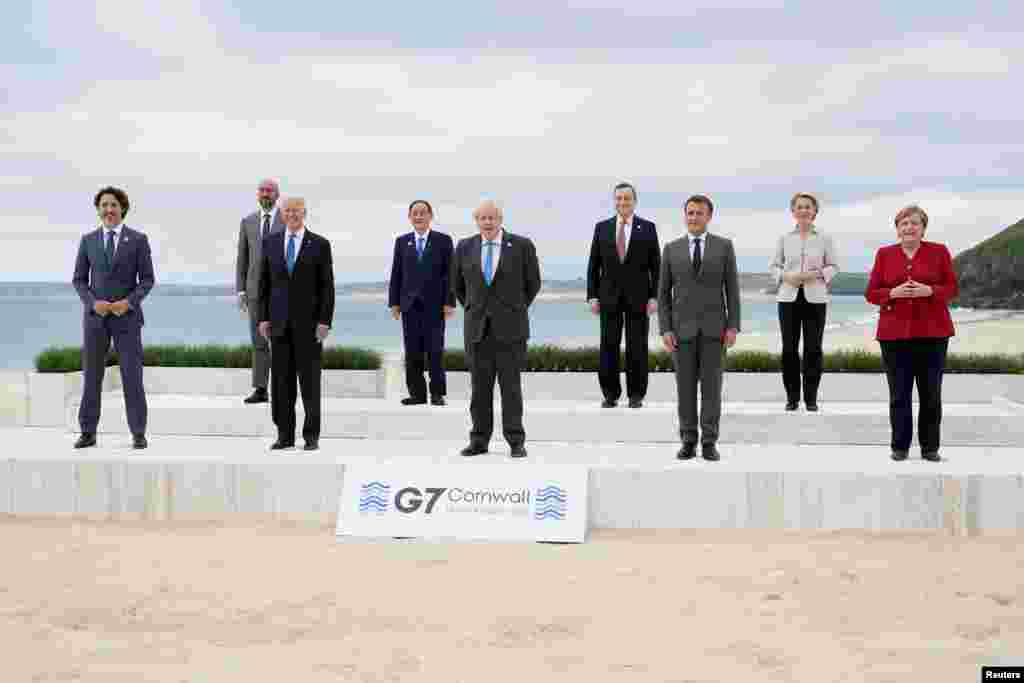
(120, 602)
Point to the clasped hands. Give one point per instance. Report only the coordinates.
(105, 308)
(910, 290)
(799, 279)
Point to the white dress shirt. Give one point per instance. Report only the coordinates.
(298, 242)
(272, 214)
(117, 235)
(495, 252)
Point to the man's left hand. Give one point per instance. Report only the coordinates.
(322, 331)
(119, 308)
(449, 312)
(730, 338)
(652, 306)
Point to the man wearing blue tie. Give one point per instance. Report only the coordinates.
(296, 297)
(420, 296)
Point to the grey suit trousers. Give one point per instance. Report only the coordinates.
(699, 359)
(260, 349)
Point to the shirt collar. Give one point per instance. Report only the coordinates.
(628, 223)
(497, 239)
(263, 212)
(691, 237)
(116, 229)
(298, 235)
(425, 235)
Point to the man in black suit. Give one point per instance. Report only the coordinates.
(622, 288)
(113, 274)
(419, 295)
(297, 300)
(495, 276)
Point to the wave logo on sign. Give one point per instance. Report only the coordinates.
(373, 498)
(551, 503)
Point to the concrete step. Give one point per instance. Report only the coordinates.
(997, 423)
(641, 485)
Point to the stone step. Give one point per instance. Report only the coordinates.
(997, 423)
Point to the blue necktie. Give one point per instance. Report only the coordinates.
(110, 249)
(489, 263)
(419, 248)
(290, 254)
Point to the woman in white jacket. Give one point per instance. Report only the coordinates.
(804, 265)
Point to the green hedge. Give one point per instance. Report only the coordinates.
(69, 358)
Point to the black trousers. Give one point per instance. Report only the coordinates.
(423, 336)
(637, 327)
(906, 362)
(796, 317)
(490, 359)
(294, 356)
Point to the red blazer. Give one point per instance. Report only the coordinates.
(913, 318)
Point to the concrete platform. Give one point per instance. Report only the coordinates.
(999, 422)
(637, 485)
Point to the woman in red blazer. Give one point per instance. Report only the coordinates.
(913, 282)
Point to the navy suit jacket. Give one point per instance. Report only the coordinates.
(426, 281)
(303, 299)
(129, 277)
(636, 278)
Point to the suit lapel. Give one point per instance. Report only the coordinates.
(303, 248)
(123, 243)
(636, 233)
(505, 245)
(476, 265)
(709, 251)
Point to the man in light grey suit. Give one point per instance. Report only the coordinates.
(254, 228)
(699, 317)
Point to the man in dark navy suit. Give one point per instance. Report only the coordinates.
(297, 306)
(622, 288)
(113, 274)
(419, 295)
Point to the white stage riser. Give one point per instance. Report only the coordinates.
(306, 490)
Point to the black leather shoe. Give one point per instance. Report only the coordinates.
(636, 403)
(474, 449)
(437, 401)
(312, 445)
(281, 445)
(932, 456)
(792, 405)
(608, 403)
(139, 441)
(258, 396)
(86, 440)
(518, 451)
(687, 452)
(709, 452)
(414, 401)
(899, 455)
(812, 407)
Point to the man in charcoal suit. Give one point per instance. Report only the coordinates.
(420, 296)
(699, 317)
(113, 274)
(296, 309)
(495, 276)
(253, 230)
(622, 288)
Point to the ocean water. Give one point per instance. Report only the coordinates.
(37, 316)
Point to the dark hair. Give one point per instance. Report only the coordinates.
(423, 202)
(626, 186)
(700, 199)
(120, 195)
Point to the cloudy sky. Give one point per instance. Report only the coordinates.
(543, 105)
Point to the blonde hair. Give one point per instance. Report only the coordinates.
(804, 195)
(907, 211)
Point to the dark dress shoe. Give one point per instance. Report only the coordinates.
(312, 445)
(139, 441)
(474, 449)
(258, 396)
(812, 407)
(709, 452)
(437, 401)
(932, 456)
(518, 451)
(687, 452)
(899, 455)
(86, 440)
(792, 405)
(414, 401)
(636, 403)
(281, 445)
(608, 403)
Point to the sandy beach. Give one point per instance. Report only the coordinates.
(112, 603)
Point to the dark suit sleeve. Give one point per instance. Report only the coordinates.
(732, 288)
(145, 273)
(531, 272)
(242, 260)
(594, 266)
(655, 264)
(458, 283)
(325, 283)
(80, 279)
(665, 294)
(264, 297)
(395, 284)
(446, 261)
